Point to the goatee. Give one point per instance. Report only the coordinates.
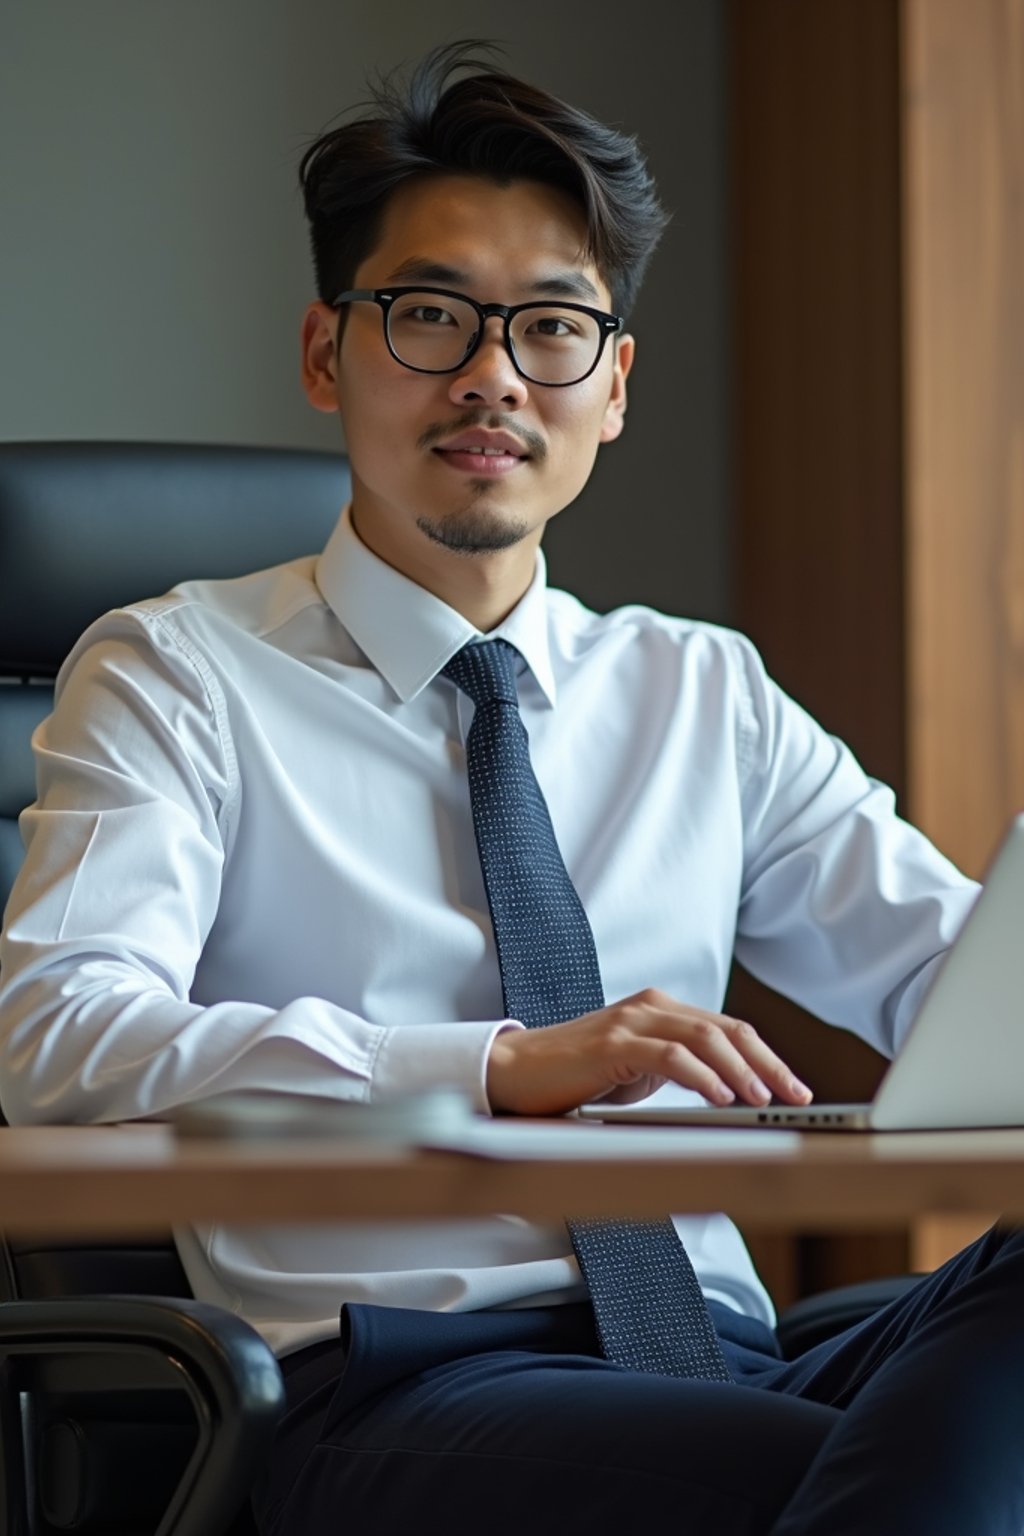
(474, 531)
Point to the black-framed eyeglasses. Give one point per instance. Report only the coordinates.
(435, 330)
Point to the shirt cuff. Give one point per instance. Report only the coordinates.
(415, 1059)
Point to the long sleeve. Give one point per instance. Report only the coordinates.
(139, 796)
(845, 907)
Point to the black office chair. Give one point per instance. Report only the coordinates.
(143, 1410)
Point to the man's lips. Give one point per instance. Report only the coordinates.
(483, 453)
(476, 462)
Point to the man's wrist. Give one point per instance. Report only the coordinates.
(500, 1055)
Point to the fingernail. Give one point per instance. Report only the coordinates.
(760, 1092)
(801, 1088)
(724, 1095)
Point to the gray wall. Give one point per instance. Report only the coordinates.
(153, 261)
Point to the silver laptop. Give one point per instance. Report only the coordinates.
(962, 1063)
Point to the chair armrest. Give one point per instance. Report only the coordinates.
(68, 1350)
(817, 1318)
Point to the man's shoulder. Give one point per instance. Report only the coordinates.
(695, 640)
(207, 624)
(257, 603)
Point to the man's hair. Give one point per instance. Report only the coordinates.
(457, 115)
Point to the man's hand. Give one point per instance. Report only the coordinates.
(625, 1051)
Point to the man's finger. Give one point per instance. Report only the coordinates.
(770, 1068)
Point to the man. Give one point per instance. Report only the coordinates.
(270, 850)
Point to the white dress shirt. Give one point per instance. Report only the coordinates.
(251, 864)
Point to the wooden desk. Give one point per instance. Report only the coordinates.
(138, 1178)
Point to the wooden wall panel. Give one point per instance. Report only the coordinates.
(963, 262)
(964, 337)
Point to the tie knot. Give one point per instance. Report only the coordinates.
(486, 671)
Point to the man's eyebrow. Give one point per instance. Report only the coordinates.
(566, 285)
(420, 269)
(558, 285)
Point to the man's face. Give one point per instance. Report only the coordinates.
(497, 244)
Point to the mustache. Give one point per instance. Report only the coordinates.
(437, 431)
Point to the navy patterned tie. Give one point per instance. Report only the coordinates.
(648, 1305)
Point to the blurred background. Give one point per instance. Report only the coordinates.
(825, 444)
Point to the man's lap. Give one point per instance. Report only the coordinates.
(512, 1419)
(516, 1414)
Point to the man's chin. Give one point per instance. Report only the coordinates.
(475, 530)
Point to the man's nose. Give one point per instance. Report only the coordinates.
(489, 375)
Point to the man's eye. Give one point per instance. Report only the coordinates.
(430, 314)
(552, 325)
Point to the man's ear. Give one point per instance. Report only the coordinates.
(615, 411)
(320, 356)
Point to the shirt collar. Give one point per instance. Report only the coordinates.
(408, 633)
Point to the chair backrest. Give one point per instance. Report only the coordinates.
(85, 527)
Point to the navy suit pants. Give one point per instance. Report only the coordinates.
(510, 1423)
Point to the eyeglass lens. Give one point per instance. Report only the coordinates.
(553, 345)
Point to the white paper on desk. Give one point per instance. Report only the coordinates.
(536, 1139)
